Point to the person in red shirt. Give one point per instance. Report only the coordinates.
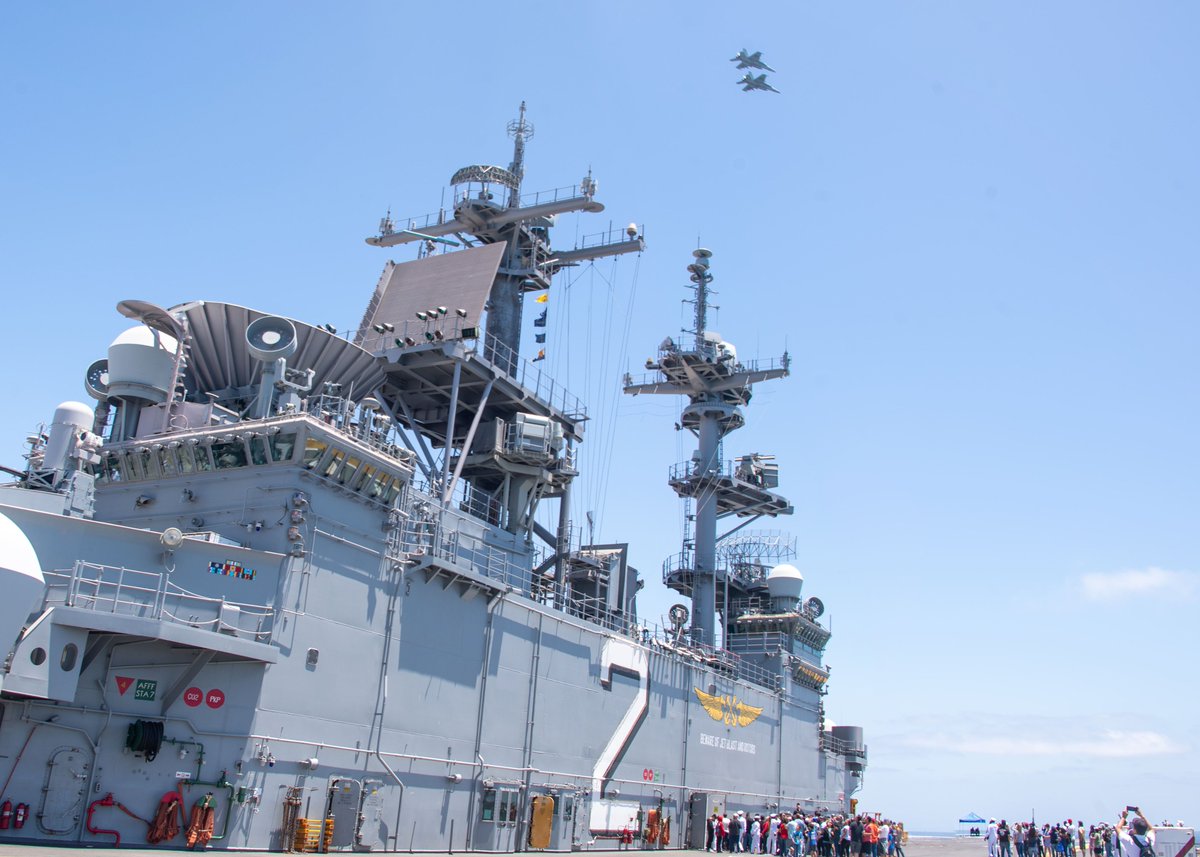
(870, 839)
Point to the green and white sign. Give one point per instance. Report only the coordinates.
(145, 689)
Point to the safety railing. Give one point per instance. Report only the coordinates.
(530, 377)
(151, 595)
(747, 366)
(556, 194)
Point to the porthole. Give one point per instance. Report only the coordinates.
(69, 653)
(38, 656)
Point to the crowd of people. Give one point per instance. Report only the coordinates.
(1129, 837)
(795, 834)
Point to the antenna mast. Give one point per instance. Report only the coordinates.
(520, 131)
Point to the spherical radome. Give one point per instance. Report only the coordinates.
(785, 581)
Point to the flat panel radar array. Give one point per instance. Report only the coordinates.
(434, 298)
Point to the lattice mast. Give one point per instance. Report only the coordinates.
(529, 261)
(717, 386)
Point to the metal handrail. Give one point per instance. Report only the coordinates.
(657, 377)
(128, 591)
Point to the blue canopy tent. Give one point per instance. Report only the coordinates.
(968, 821)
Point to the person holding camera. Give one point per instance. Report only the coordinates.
(1137, 836)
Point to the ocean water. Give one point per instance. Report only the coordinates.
(933, 834)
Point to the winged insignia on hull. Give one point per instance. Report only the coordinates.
(729, 709)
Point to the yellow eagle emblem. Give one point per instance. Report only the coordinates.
(728, 708)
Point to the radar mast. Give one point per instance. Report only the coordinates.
(718, 386)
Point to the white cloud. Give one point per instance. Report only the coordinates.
(1144, 582)
(1107, 743)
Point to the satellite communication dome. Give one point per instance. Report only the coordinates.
(141, 362)
(20, 579)
(784, 582)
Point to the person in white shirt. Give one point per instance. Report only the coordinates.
(993, 837)
(1137, 837)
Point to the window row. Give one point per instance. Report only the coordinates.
(348, 469)
(195, 455)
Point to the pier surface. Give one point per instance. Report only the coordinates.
(918, 846)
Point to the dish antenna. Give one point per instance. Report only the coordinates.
(814, 607)
(678, 614)
(96, 380)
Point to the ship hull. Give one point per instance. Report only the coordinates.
(420, 706)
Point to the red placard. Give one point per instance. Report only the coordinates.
(193, 696)
(215, 698)
(123, 682)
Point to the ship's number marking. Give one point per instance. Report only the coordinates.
(626, 658)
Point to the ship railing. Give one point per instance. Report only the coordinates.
(531, 378)
(448, 534)
(748, 366)
(738, 469)
(597, 609)
(608, 236)
(844, 748)
(416, 224)
(490, 349)
(724, 661)
(338, 413)
(151, 595)
(681, 563)
(759, 641)
(553, 195)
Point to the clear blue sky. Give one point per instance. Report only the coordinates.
(973, 225)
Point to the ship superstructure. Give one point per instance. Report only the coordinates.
(295, 578)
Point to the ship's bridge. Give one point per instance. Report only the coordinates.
(354, 456)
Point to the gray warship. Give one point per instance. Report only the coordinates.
(279, 588)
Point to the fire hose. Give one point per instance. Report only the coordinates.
(108, 800)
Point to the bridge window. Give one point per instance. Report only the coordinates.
(148, 462)
(365, 477)
(113, 468)
(314, 451)
(229, 454)
(201, 456)
(258, 450)
(282, 446)
(166, 459)
(348, 469)
(335, 461)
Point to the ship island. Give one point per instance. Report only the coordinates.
(276, 587)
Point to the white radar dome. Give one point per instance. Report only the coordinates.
(20, 580)
(785, 581)
(140, 364)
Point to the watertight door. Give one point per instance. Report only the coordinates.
(66, 782)
(563, 836)
(345, 796)
(372, 830)
(541, 821)
(697, 820)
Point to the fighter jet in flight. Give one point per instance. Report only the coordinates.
(745, 59)
(750, 82)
